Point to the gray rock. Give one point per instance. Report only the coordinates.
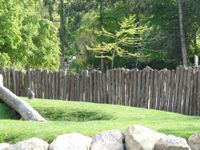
(141, 138)
(4, 146)
(108, 140)
(194, 142)
(72, 141)
(30, 144)
(172, 143)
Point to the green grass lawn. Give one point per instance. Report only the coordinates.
(88, 118)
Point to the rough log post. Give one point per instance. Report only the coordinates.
(21, 107)
(196, 61)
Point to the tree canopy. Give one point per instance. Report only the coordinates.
(27, 39)
(35, 33)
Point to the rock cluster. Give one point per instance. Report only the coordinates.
(133, 138)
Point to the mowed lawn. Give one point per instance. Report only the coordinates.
(89, 119)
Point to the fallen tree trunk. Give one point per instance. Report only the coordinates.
(20, 106)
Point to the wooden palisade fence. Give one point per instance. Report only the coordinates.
(171, 90)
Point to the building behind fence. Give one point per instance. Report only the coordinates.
(171, 90)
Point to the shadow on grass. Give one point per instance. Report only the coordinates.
(75, 115)
(7, 112)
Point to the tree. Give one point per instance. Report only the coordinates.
(21, 107)
(27, 40)
(182, 33)
(129, 35)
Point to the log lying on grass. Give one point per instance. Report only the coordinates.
(20, 106)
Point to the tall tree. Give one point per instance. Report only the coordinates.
(101, 26)
(62, 26)
(182, 33)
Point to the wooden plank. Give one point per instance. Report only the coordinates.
(33, 86)
(161, 91)
(18, 90)
(62, 84)
(13, 79)
(175, 106)
(87, 85)
(151, 90)
(134, 90)
(172, 91)
(180, 91)
(48, 94)
(146, 88)
(194, 102)
(120, 86)
(78, 87)
(167, 92)
(81, 89)
(191, 92)
(65, 87)
(131, 94)
(198, 93)
(42, 83)
(139, 74)
(158, 102)
(188, 91)
(100, 96)
(91, 86)
(94, 86)
(68, 86)
(108, 85)
(155, 89)
(29, 79)
(23, 93)
(142, 92)
(114, 80)
(19, 83)
(128, 87)
(105, 89)
(185, 72)
(99, 87)
(46, 88)
(5, 77)
(123, 86)
(54, 84)
(73, 86)
(111, 87)
(8, 77)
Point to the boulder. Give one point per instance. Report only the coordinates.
(141, 138)
(72, 141)
(4, 146)
(194, 142)
(108, 140)
(30, 144)
(172, 143)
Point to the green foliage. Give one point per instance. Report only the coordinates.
(27, 40)
(125, 42)
(4, 60)
(25, 23)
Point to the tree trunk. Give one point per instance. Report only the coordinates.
(182, 33)
(20, 106)
(101, 38)
(62, 27)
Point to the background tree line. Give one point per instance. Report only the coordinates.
(100, 33)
